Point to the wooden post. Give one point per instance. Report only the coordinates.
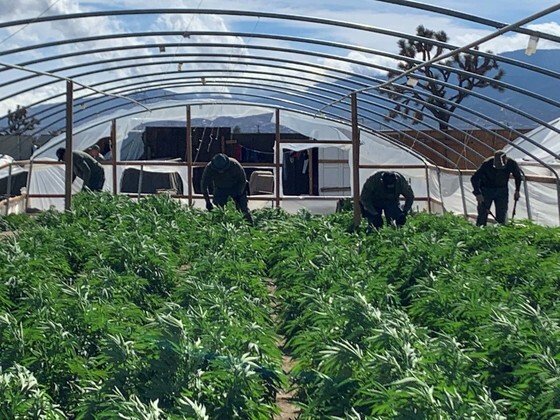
(310, 170)
(9, 189)
(356, 161)
(68, 159)
(140, 175)
(557, 194)
(114, 153)
(189, 157)
(427, 174)
(463, 198)
(277, 158)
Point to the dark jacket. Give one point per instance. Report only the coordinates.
(374, 194)
(233, 179)
(88, 169)
(487, 176)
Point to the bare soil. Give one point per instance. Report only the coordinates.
(284, 398)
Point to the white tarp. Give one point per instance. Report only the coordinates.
(5, 163)
(444, 187)
(374, 149)
(536, 157)
(131, 122)
(544, 143)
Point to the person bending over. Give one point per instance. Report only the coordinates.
(227, 178)
(381, 193)
(86, 168)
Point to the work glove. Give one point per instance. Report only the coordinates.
(516, 195)
(401, 220)
(209, 206)
(479, 198)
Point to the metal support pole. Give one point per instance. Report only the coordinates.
(114, 153)
(68, 158)
(428, 189)
(310, 170)
(355, 160)
(9, 188)
(558, 195)
(463, 198)
(140, 180)
(277, 158)
(440, 193)
(189, 157)
(526, 192)
(28, 185)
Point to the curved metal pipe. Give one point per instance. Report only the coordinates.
(425, 113)
(379, 105)
(327, 56)
(465, 48)
(260, 14)
(353, 48)
(389, 140)
(468, 17)
(333, 92)
(487, 118)
(283, 89)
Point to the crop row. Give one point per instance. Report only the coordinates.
(439, 319)
(151, 310)
(142, 311)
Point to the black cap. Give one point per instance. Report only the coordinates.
(220, 162)
(60, 154)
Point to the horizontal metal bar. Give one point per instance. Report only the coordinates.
(299, 141)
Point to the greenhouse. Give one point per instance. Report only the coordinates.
(316, 106)
(141, 300)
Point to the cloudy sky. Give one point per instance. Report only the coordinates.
(379, 14)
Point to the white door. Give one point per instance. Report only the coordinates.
(334, 172)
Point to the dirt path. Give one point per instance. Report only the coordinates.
(284, 398)
(288, 410)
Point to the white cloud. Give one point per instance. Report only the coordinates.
(510, 41)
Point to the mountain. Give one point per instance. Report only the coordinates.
(531, 81)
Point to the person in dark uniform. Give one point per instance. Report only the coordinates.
(490, 184)
(381, 193)
(227, 178)
(86, 168)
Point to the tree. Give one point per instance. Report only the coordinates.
(408, 98)
(19, 122)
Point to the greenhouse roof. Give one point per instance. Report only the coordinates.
(294, 59)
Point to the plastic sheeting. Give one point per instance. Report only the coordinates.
(134, 119)
(541, 138)
(446, 189)
(543, 196)
(374, 149)
(131, 122)
(5, 163)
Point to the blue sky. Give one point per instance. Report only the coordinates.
(373, 13)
